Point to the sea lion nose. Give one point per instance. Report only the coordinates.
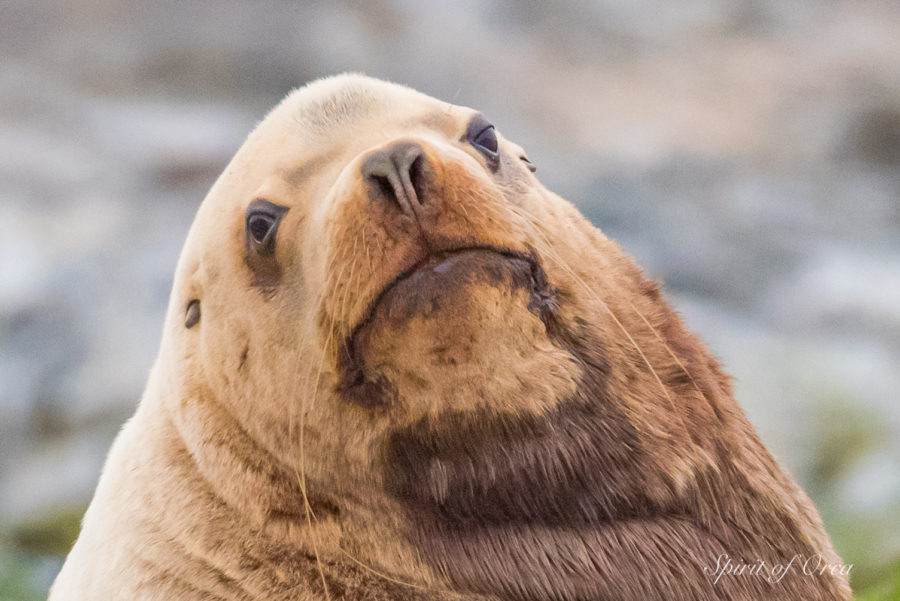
(395, 174)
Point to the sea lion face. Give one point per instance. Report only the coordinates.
(474, 386)
(389, 242)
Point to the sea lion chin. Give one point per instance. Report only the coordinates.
(440, 327)
(395, 366)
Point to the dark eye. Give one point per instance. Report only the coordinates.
(486, 140)
(482, 135)
(263, 218)
(259, 225)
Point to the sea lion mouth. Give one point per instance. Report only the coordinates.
(420, 287)
(426, 287)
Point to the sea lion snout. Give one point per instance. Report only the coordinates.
(453, 294)
(399, 202)
(395, 175)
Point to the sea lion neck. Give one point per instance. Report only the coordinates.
(279, 538)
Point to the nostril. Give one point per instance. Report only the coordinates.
(383, 187)
(417, 178)
(380, 171)
(397, 174)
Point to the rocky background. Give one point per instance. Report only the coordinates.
(746, 152)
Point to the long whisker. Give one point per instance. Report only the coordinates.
(548, 249)
(307, 507)
(339, 309)
(301, 470)
(382, 574)
(663, 342)
(670, 351)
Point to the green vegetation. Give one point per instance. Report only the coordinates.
(51, 534)
(24, 577)
(32, 552)
(887, 589)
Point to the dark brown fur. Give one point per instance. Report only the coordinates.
(537, 500)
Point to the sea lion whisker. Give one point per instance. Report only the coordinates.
(368, 256)
(382, 575)
(462, 206)
(300, 471)
(655, 332)
(353, 254)
(355, 279)
(553, 255)
(670, 351)
(310, 513)
(637, 347)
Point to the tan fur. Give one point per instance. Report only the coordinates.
(585, 448)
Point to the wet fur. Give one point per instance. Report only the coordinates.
(342, 423)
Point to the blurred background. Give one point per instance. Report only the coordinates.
(746, 152)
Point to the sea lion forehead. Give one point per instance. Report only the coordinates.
(330, 120)
(318, 129)
(347, 102)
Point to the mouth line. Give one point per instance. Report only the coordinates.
(350, 364)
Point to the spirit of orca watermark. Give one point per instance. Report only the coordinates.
(814, 565)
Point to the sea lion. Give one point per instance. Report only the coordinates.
(395, 366)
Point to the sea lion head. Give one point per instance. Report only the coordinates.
(462, 381)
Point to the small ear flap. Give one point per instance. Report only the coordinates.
(192, 314)
(519, 153)
(189, 290)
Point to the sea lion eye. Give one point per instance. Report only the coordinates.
(482, 135)
(486, 140)
(263, 218)
(259, 225)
